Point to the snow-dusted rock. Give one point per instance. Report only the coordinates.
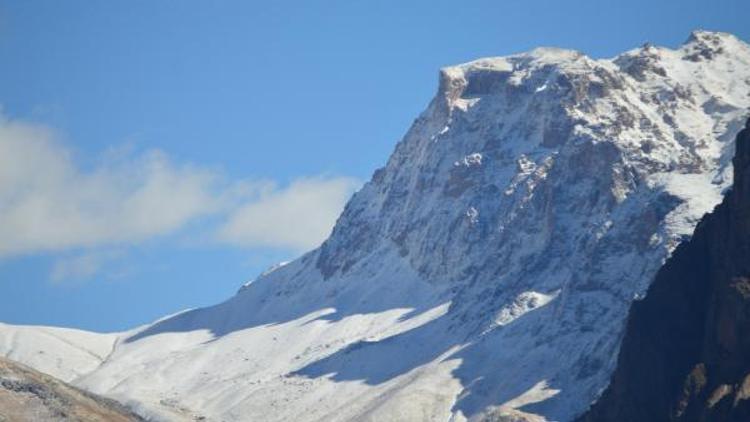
(487, 269)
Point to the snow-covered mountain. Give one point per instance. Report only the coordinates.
(486, 270)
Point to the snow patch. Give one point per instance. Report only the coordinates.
(472, 215)
(523, 304)
(470, 160)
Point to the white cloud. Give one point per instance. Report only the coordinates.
(47, 203)
(298, 217)
(50, 203)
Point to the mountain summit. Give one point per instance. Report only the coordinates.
(486, 271)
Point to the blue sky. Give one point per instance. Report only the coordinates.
(161, 153)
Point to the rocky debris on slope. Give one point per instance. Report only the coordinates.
(28, 395)
(686, 351)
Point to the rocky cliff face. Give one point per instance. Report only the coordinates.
(686, 352)
(486, 271)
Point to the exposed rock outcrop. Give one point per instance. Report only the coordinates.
(28, 395)
(686, 351)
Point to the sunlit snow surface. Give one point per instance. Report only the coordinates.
(486, 270)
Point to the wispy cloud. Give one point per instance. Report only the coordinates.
(82, 267)
(297, 217)
(50, 203)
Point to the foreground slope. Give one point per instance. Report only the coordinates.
(487, 269)
(686, 352)
(28, 395)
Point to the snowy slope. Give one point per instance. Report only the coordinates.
(63, 353)
(487, 269)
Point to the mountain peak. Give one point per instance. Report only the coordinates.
(709, 37)
(707, 45)
(479, 76)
